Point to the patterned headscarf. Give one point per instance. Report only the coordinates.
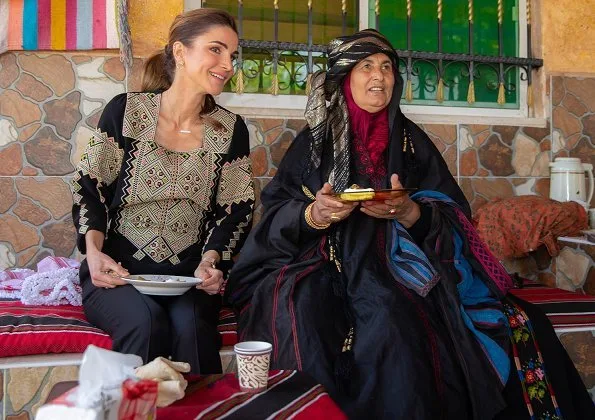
(332, 122)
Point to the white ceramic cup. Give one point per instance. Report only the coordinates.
(253, 359)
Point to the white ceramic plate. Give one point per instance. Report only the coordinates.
(162, 285)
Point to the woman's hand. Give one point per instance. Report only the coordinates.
(212, 278)
(104, 270)
(329, 209)
(402, 208)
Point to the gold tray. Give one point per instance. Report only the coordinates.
(376, 195)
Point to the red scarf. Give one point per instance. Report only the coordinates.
(371, 129)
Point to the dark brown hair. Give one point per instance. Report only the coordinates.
(160, 69)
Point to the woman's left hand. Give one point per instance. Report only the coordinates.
(212, 278)
(402, 208)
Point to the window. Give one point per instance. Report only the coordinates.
(283, 41)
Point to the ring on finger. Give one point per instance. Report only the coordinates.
(392, 211)
(334, 217)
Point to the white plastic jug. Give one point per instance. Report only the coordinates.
(567, 180)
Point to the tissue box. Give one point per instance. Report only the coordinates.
(136, 401)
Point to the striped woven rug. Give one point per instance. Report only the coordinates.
(58, 24)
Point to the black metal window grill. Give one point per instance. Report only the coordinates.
(279, 67)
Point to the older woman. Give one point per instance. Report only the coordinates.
(395, 306)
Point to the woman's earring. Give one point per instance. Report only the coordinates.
(179, 64)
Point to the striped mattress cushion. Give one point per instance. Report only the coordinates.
(567, 311)
(27, 330)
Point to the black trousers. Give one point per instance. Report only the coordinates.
(183, 327)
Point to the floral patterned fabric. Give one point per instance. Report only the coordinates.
(516, 226)
(537, 390)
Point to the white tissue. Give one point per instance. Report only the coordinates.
(101, 375)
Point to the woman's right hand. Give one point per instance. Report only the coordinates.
(329, 209)
(103, 270)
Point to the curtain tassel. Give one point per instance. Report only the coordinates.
(275, 84)
(440, 91)
(501, 98)
(240, 82)
(409, 91)
(471, 93)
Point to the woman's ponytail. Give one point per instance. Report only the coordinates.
(158, 72)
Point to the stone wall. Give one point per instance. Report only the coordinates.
(51, 102)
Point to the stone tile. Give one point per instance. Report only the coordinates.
(525, 154)
(481, 138)
(52, 193)
(477, 128)
(446, 133)
(579, 346)
(30, 87)
(30, 212)
(574, 106)
(12, 160)
(23, 415)
(583, 89)
(1, 384)
(80, 59)
(94, 84)
(114, 68)
(272, 172)
(254, 134)
(56, 374)
(7, 259)
(450, 156)
(537, 133)
(29, 171)
(523, 186)
(48, 153)
(296, 125)
(59, 237)
(91, 106)
(477, 203)
(541, 165)
(558, 90)
(23, 384)
(82, 137)
(507, 133)
(565, 122)
(545, 145)
(268, 123)
(574, 265)
(28, 131)
(525, 266)
(438, 143)
(25, 256)
(573, 140)
(9, 71)
(496, 157)
(279, 148)
(8, 195)
(93, 120)
(54, 70)
(8, 132)
(542, 187)
(21, 110)
(466, 140)
(589, 125)
(64, 113)
(492, 188)
(260, 163)
(272, 135)
(584, 150)
(19, 235)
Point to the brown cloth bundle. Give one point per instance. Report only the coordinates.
(515, 226)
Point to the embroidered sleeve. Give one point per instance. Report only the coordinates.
(93, 183)
(234, 200)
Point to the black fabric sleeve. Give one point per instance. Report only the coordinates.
(419, 230)
(234, 200)
(96, 175)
